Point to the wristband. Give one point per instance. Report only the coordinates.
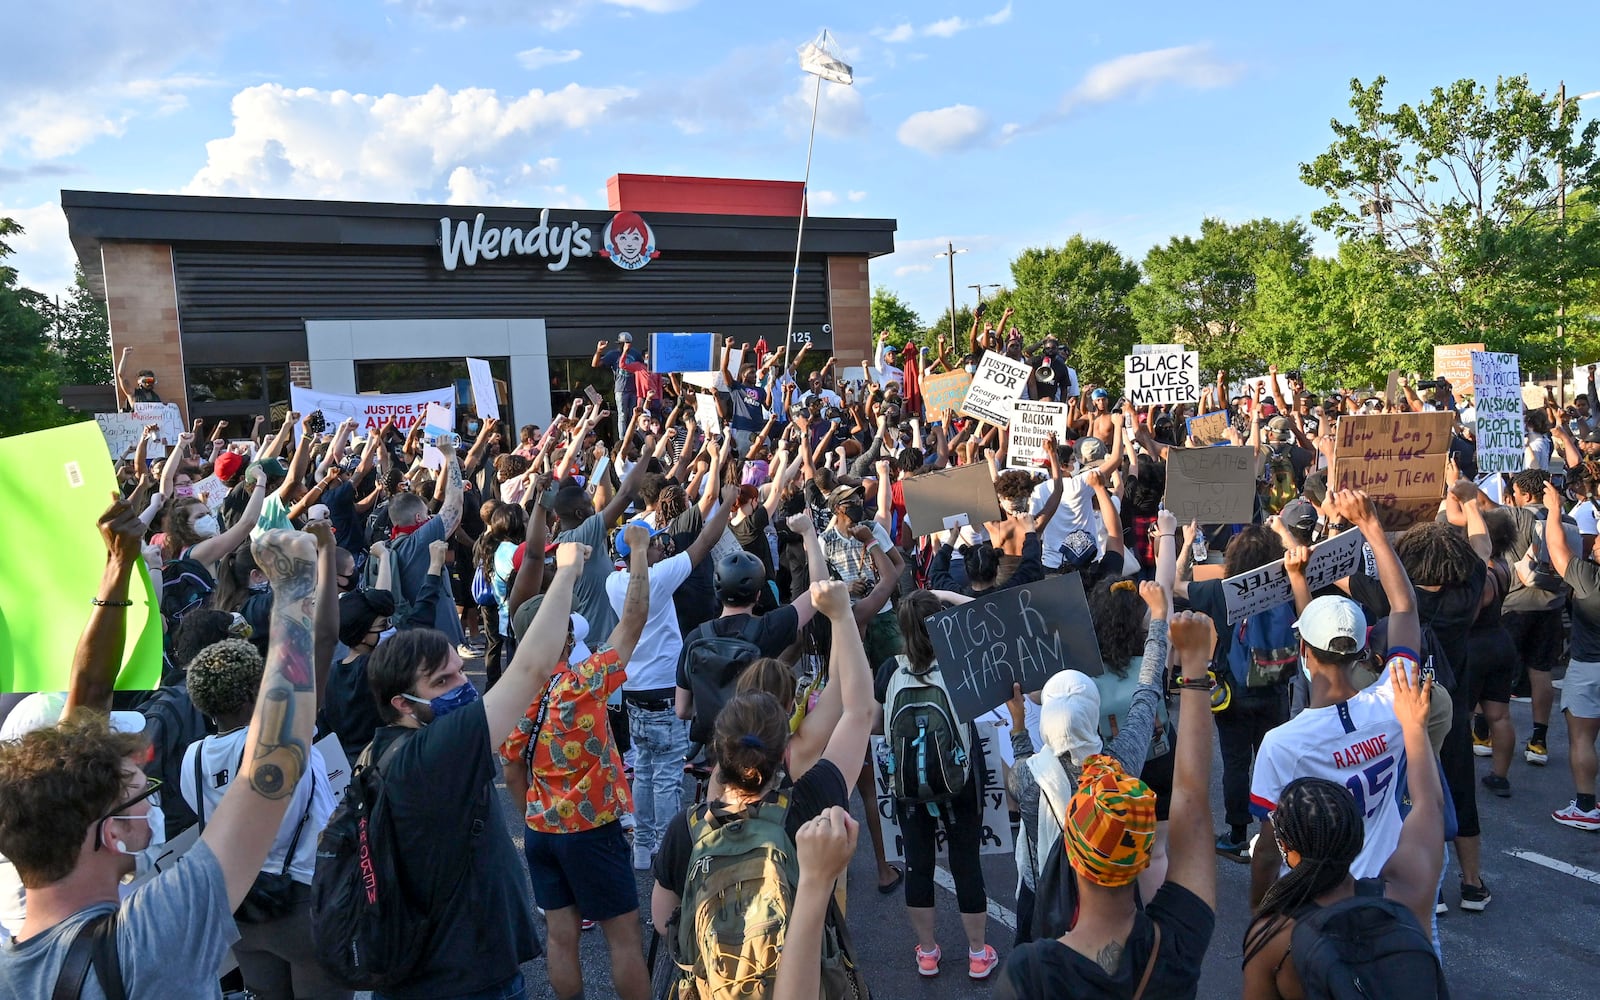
(97, 602)
(1206, 684)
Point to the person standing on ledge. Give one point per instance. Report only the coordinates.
(626, 394)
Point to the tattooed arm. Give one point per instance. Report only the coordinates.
(325, 619)
(636, 603)
(450, 511)
(278, 747)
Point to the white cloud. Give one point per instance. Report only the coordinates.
(654, 6)
(841, 111)
(905, 269)
(468, 188)
(335, 144)
(943, 130)
(42, 255)
(822, 199)
(48, 124)
(1189, 66)
(902, 32)
(857, 196)
(540, 57)
(952, 26)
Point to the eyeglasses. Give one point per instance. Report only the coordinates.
(151, 788)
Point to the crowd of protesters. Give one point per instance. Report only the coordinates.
(693, 610)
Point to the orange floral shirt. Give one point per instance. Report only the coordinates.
(575, 781)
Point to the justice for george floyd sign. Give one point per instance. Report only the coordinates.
(1497, 396)
(1163, 377)
(1266, 587)
(1018, 636)
(998, 381)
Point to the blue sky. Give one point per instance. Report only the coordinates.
(996, 124)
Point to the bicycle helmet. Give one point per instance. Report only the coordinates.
(739, 578)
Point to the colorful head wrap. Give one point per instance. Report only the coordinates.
(1110, 825)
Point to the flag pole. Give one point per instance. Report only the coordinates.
(794, 281)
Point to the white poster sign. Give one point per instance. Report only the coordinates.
(1032, 421)
(1280, 393)
(996, 836)
(1164, 376)
(213, 491)
(1265, 588)
(122, 430)
(998, 381)
(483, 394)
(369, 411)
(1497, 395)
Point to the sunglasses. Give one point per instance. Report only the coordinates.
(151, 788)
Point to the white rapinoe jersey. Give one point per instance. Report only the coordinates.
(1357, 744)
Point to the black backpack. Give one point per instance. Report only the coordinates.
(367, 933)
(1365, 948)
(185, 586)
(172, 723)
(712, 663)
(930, 750)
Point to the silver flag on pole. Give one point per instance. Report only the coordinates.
(816, 58)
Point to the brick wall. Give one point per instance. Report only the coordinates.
(142, 303)
(300, 373)
(850, 310)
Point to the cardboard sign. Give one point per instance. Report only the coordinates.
(57, 484)
(1391, 389)
(122, 430)
(944, 392)
(1497, 397)
(1580, 377)
(1398, 459)
(1454, 362)
(165, 416)
(484, 398)
(707, 414)
(683, 352)
(369, 411)
(996, 836)
(1163, 376)
(999, 380)
(1021, 635)
(1211, 485)
(1032, 421)
(1208, 429)
(1534, 396)
(1266, 587)
(933, 496)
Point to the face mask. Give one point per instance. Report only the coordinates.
(448, 702)
(206, 526)
(144, 859)
(972, 369)
(1305, 668)
(385, 636)
(184, 491)
(260, 588)
(472, 428)
(580, 632)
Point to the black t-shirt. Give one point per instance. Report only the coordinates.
(1584, 578)
(341, 501)
(746, 404)
(776, 633)
(817, 789)
(614, 359)
(349, 708)
(1208, 598)
(1450, 611)
(447, 813)
(1051, 969)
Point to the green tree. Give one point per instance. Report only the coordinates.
(941, 328)
(1202, 291)
(1079, 292)
(894, 317)
(27, 373)
(81, 342)
(1460, 191)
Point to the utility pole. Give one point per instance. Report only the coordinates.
(979, 289)
(950, 252)
(1561, 248)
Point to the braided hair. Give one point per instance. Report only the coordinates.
(1318, 819)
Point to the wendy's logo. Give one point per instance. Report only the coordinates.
(628, 242)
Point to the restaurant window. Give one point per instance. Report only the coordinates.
(423, 374)
(238, 394)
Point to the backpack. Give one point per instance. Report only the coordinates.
(1279, 481)
(1365, 948)
(1264, 652)
(172, 723)
(712, 663)
(727, 935)
(185, 585)
(367, 934)
(930, 751)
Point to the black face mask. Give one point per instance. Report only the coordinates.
(855, 512)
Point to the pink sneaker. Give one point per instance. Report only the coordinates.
(928, 961)
(1577, 818)
(980, 964)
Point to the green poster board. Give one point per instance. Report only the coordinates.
(54, 485)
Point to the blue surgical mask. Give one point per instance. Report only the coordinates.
(1305, 668)
(448, 702)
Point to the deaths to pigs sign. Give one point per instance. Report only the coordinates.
(1017, 636)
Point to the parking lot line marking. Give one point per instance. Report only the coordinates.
(998, 913)
(1558, 866)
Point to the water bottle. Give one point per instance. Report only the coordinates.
(1201, 553)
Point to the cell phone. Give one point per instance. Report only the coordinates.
(955, 521)
(317, 423)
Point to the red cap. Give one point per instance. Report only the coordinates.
(516, 557)
(228, 465)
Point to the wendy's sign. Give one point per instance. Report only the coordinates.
(627, 241)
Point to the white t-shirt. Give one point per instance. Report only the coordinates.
(1587, 517)
(1075, 513)
(1358, 744)
(220, 765)
(655, 657)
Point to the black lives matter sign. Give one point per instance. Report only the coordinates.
(1164, 376)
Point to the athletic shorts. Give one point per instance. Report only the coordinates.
(1580, 692)
(1491, 666)
(1538, 635)
(592, 870)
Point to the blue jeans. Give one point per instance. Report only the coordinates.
(512, 989)
(660, 739)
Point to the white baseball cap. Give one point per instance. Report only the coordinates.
(42, 710)
(1330, 618)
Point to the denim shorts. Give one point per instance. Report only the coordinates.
(592, 870)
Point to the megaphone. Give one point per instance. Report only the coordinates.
(1045, 375)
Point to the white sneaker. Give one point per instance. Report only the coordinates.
(641, 857)
(628, 821)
